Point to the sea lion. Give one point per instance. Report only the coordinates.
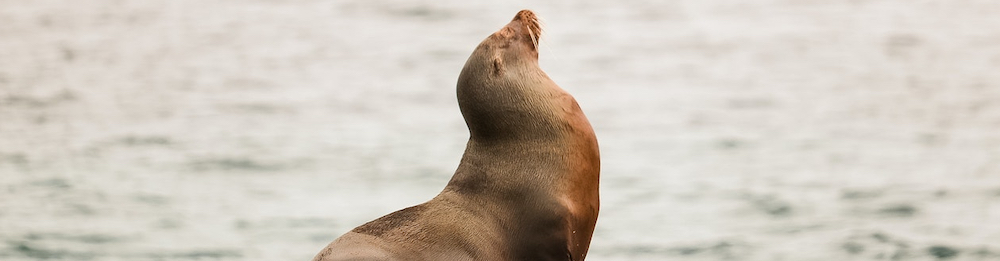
(526, 187)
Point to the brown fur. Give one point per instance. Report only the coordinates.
(527, 186)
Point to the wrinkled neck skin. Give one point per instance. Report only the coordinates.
(532, 159)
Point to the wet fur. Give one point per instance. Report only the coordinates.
(526, 187)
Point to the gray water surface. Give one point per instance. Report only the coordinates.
(730, 130)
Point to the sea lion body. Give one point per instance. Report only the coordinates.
(526, 187)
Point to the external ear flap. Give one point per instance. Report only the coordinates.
(497, 65)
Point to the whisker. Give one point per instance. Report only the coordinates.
(540, 22)
(534, 40)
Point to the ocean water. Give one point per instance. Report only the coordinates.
(729, 130)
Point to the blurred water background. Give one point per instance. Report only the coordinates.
(730, 130)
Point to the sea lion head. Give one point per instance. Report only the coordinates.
(502, 92)
(516, 41)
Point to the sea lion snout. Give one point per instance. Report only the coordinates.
(529, 20)
(524, 28)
